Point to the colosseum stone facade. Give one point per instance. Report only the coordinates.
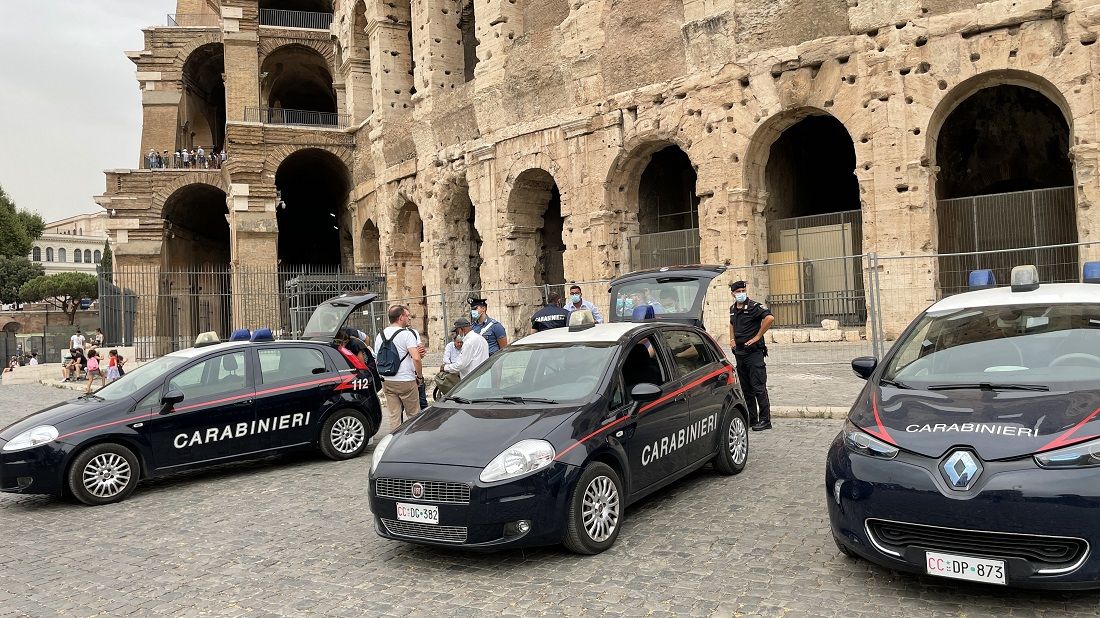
(504, 144)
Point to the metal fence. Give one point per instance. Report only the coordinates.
(295, 19)
(663, 249)
(194, 20)
(159, 311)
(296, 117)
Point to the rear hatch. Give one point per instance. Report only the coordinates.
(676, 293)
(332, 315)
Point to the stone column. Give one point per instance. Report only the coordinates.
(358, 90)
(391, 62)
(160, 116)
(254, 243)
(498, 23)
(240, 34)
(437, 45)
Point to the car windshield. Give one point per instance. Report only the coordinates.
(560, 372)
(140, 377)
(665, 295)
(1057, 347)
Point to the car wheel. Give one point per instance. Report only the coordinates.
(344, 435)
(844, 549)
(733, 444)
(104, 473)
(595, 510)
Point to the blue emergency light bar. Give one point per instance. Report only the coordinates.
(1091, 272)
(241, 334)
(262, 334)
(982, 280)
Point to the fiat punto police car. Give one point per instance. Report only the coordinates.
(553, 437)
(214, 403)
(974, 450)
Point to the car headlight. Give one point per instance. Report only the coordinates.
(32, 438)
(859, 441)
(379, 451)
(1084, 455)
(521, 458)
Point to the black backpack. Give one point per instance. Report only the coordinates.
(389, 359)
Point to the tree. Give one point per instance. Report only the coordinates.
(14, 272)
(63, 290)
(18, 228)
(107, 263)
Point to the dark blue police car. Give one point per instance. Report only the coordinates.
(201, 406)
(973, 452)
(553, 437)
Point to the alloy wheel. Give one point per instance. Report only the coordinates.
(107, 475)
(600, 509)
(347, 435)
(738, 440)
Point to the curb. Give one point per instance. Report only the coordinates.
(825, 412)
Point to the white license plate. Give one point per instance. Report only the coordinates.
(418, 512)
(965, 567)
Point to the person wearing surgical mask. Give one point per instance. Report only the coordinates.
(494, 333)
(749, 320)
(576, 301)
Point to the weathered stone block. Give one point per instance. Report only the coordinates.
(799, 335)
(852, 335)
(782, 335)
(825, 335)
(830, 324)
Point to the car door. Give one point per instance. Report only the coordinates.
(651, 441)
(214, 419)
(292, 384)
(694, 365)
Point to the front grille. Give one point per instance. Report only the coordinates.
(1047, 550)
(430, 532)
(434, 491)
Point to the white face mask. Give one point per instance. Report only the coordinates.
(475, 315)
(741, 297)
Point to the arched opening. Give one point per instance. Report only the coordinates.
(61, 255)
(314, 225)
(194, 287)
(202, 107)
(408, 242)
(87, 256)
(297, 87)
(370, 252)
(805, 163)
(78, 257)
(535, 204)
(97, 256)
(1005, 181)
(49, 254)
(36, 254)
(661, 207)
(461, 251)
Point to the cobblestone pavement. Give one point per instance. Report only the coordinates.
(293, 536)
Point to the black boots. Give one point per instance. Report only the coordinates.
(762, 425)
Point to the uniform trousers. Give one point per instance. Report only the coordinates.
(752, 373)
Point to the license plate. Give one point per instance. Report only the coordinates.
(965, 567)
(418, 512)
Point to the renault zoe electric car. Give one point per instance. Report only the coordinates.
(973, 452)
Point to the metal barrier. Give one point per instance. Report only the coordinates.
(295, 19)
(194, 20)
(296, 117)
(664, 249)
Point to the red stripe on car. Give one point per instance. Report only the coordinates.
(1064, 439)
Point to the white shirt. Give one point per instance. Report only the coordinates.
(76, 341)
(405, 342)
(32, 361)
(451, 353)
(475, 350)
(570, 307)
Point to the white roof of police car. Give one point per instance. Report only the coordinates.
(600, 333)
(225, 345)
(1046, 294)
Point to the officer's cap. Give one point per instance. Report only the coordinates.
(738, 285)
(479, 302)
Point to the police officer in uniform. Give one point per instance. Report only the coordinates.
(550, 316)
(493, 332)
(749, 320)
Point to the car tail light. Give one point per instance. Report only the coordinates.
(353, 359)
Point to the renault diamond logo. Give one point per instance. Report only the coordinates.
(961, 469)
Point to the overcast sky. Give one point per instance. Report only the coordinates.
(69, 104)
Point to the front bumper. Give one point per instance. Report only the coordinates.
(483, 522)
(1014, 501)
(37, 470)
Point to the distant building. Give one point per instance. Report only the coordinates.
(74, 244)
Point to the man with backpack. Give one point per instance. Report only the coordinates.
(397, 355)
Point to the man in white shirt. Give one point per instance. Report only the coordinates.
(34, 359)
(76, 342)
(453, 351)
(576, 301)
(401, 389)
(475, 350)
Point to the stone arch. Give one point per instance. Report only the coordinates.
(407, 251)
(370, 254)
(12, 327)
(277, 154)
(196, 230)
(213, 179)
(313, 186)
(324, 48)
(459, 246)
(536, 219)
(202, 110)
(193, 44)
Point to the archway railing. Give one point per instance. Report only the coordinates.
(295, 19)
(296, 117)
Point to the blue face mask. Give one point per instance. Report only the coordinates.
(741, 297)
(575, 298)
(475, 315)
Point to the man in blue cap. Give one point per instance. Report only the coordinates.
(749, 320)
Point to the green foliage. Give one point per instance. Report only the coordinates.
(14, 272)
(107, 263)
(63, 290)
(18, 228)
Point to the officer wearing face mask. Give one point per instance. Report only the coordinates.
(487, 327)
(577, 302)
(749, 320)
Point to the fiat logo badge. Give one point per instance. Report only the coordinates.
(417, 490)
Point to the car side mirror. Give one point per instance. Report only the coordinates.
(170, 399)
(645, 392)
(864, 366)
